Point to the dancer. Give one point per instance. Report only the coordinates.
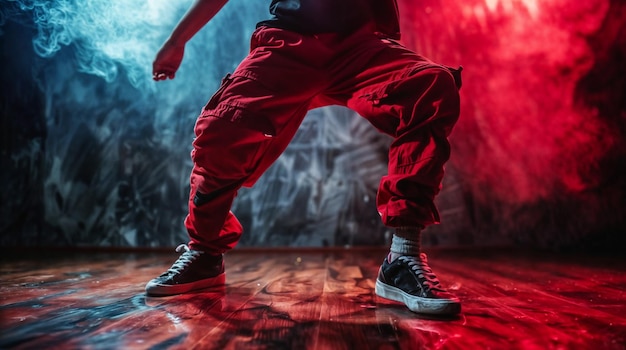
(314, 53)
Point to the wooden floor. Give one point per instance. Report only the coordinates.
(311, 300)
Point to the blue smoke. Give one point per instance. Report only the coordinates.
(107, 35)
(103, 33)
(116, 41)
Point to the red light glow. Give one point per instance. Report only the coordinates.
(522, 134)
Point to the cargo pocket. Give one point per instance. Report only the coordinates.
(238, 113)
(376, 96)
(214, 100)
(380, 93)
(239, 100)
(403, 83)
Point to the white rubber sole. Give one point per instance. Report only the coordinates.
(156, 289)
(418, 304)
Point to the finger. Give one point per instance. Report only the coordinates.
(162, 76)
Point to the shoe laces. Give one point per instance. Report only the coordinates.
(419, 266)
(184, 260)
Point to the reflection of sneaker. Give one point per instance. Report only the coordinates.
(409, 280)
(193, 270)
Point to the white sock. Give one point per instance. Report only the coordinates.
(406, 241)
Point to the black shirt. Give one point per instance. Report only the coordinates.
(333, 16)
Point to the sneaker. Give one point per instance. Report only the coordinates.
(193, 270)
(409, 280)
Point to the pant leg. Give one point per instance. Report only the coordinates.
(245, 127)
(416, 102)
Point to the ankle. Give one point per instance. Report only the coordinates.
(406, 241)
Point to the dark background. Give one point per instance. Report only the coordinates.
(93, 153)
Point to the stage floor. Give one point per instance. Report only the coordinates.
(311, 300)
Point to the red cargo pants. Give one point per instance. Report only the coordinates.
(253, 116)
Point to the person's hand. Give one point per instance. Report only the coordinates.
(167, 61)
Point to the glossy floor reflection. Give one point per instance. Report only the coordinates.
(311, 300)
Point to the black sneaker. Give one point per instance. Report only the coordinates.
(193, 270)
(409, 280)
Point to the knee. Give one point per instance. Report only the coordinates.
(433, 98)
(439, 80)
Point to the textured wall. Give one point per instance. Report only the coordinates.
(95, 153)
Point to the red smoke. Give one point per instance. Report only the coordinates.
(522, 136)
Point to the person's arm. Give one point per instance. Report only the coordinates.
(170, 55)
